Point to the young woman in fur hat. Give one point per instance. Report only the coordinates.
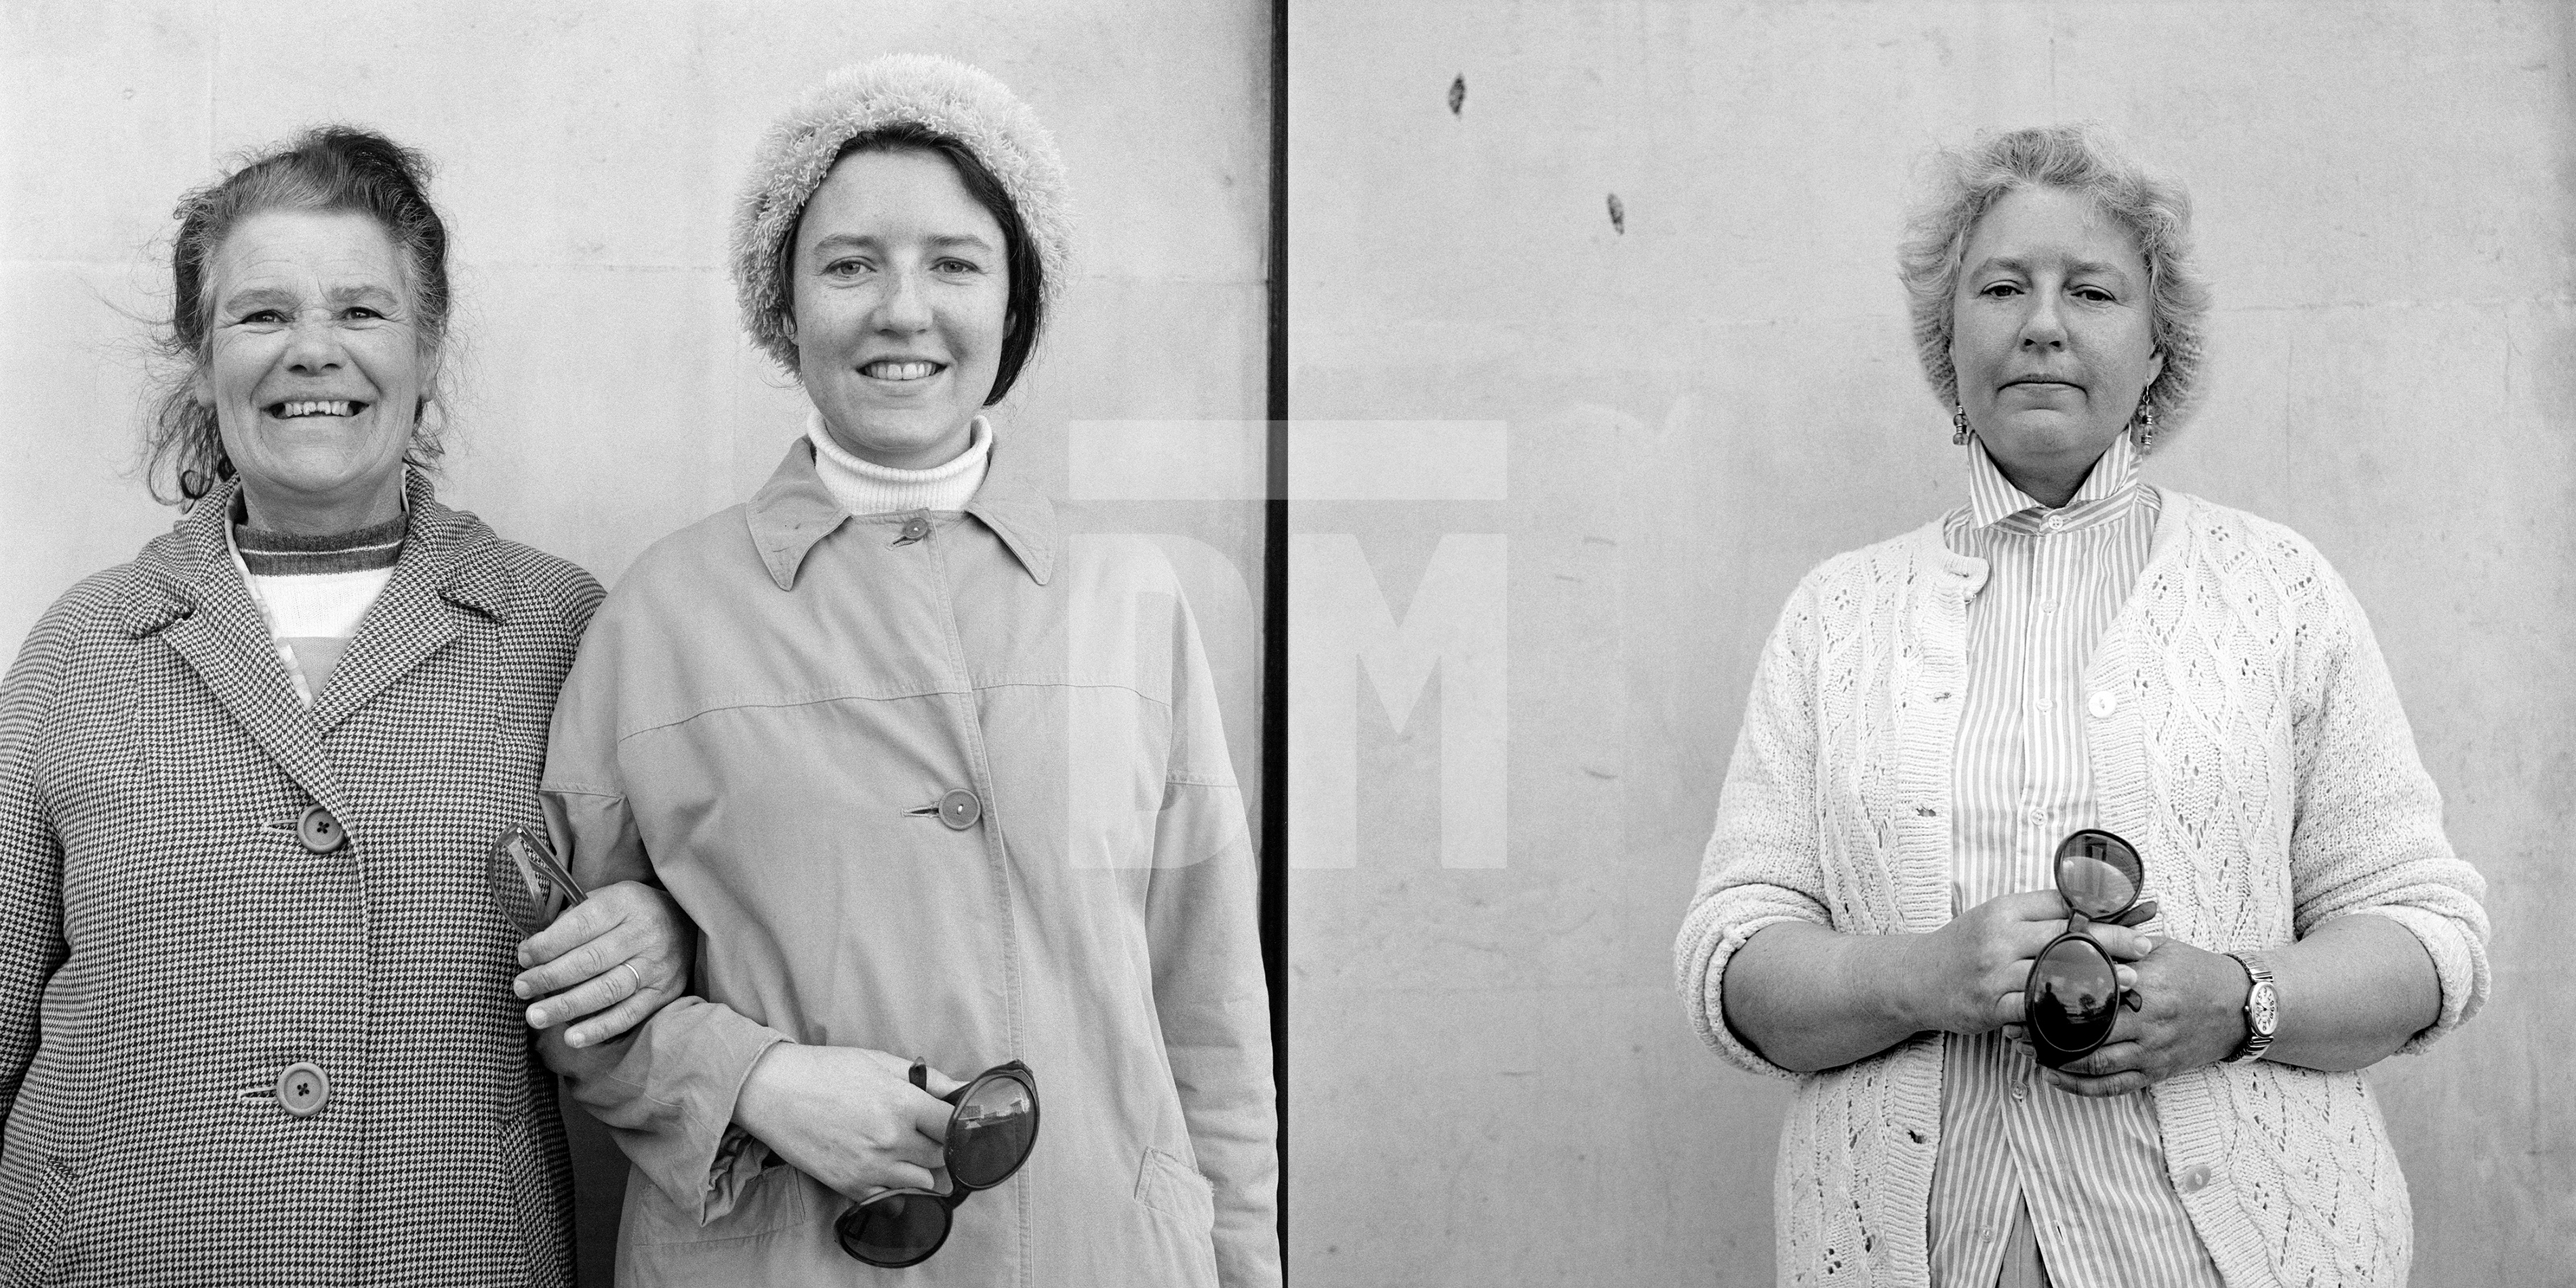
(946, 792)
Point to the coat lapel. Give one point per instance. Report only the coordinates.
(449, 566)
(206, 616)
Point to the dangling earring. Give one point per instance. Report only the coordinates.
(2146, 426)
(1958, 425)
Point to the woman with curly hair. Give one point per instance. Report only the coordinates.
(257, 1022)
(2118, 749)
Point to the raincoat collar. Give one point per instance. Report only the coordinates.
(793, 512)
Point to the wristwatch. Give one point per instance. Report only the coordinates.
(2262, 1009)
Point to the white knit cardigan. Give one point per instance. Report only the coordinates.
(2242, 729)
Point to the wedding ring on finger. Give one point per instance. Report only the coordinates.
(638, 975)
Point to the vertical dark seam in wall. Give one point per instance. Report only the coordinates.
(1274, 616)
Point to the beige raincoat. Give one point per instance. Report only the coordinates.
(952, 786)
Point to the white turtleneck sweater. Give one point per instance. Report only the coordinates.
(864, 487)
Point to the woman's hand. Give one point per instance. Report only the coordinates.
(848, 1117)
(1807, 997)
(2191, 1013)
(617, 957)
(1968, 976)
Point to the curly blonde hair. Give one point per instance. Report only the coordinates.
(2080, 158)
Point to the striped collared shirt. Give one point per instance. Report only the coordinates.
(2091, 1171)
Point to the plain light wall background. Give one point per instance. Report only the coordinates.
(1491, 1079)
(588, 155)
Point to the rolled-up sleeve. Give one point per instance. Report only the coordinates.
(1210, 996)
(2368, 833)
(1762, 864)
(666, 1089)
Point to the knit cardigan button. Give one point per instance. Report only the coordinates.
(2102, 704)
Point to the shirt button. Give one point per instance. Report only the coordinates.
(959, 809)
(2102, 704)
(2039, 813)
(320, 832)
(2020, 1089)
(2048, 605)
(2046, 704)
(914, 529)
(2054, 522)
(303, 1089)
(2192, 1179)
(1986, 1232)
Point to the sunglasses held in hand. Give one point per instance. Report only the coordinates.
(989, 1136)
(2073, 997)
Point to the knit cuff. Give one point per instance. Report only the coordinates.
(2459, 964)
(1704, 987)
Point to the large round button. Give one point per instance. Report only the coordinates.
(303, 1089)
(2102, 704)
(914, 529)
(320, 832)
(959, 809)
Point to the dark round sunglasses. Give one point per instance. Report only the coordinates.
(2073, 997)
(989, 1136)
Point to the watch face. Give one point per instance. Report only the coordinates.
(2263, 1008)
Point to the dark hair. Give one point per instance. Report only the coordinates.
(1026, 309)
(330, 167)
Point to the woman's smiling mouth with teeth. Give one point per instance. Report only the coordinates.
(314, 407)
(891, 369)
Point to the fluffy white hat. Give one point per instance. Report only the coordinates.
(940, 94)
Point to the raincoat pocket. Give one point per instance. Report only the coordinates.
(1175, 1189)
(1187, 1204)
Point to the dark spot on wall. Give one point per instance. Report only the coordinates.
(1457, 93)
(1618, 216)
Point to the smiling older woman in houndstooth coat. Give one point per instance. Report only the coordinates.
(256, 1023)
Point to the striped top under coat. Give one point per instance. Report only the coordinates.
(314, 591)
(2092, 1171)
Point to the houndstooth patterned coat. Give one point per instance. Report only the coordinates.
(169, 943)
